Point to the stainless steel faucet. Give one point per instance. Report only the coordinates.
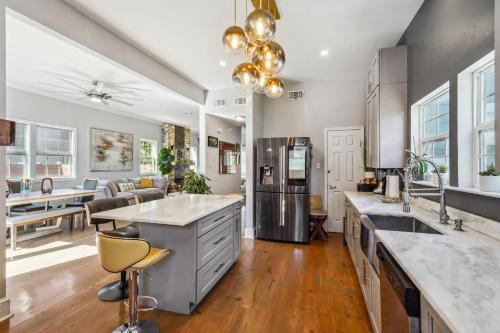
(409, 170)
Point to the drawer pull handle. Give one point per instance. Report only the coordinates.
(219, 268)
(220, 240)
(219, 218)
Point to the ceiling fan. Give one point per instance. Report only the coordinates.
(95, 93)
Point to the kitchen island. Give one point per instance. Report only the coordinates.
(204, 234)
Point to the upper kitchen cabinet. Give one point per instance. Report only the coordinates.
(386, 109)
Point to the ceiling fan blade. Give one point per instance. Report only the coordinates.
(128, 88)
(63, 92)
(131, 98)
(105, 102)
(73, 84)
(80, 73)
(61, 87)
(70, 77)
(122, 102)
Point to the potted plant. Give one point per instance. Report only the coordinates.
(489, 180)
(443, 171)
(165, 162)
(196, 183)
(369, 173)
(422, 166)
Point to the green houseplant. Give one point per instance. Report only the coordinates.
(489, 180)
(443, 171)
(196, 183)
(165, 161)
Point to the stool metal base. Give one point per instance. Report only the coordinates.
(113, 292)
(144, 326)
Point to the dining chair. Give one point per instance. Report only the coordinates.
(87, 184)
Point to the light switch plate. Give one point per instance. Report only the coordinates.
(318, 165)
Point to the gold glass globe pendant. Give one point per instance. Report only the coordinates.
(269, 59)
(245, 76)
(234, 38)
(274, 88)
(260, 27)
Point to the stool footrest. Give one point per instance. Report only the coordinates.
(145, 303)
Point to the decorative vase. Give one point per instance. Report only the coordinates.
(435, 178)
(489, 183)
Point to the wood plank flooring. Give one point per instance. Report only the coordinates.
(274, 287)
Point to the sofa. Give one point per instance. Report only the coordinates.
(112, 187)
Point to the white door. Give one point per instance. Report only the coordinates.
(344, 171)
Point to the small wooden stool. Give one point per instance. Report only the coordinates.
(317, 218)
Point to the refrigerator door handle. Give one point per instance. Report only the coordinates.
(282, 169)
(282, 209)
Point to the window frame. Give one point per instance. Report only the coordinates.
(423, 141)
(27, 155)
(478, 125)
(154, 156)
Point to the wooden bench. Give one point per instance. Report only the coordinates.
(21, 220)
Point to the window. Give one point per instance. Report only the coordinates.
(484, 103)
(148, 157)
(17, 156)
(54, 152)
(435, 120)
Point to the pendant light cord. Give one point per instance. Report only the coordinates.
(234, 12)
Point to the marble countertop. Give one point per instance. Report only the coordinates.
(458, 273)
(180, 210)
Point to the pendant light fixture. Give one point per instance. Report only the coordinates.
(245, 76)
(260, 26)
(234, 38)
(274, 88)
(270, 58)
(260, 86)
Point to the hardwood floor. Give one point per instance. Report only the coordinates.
(274, 287)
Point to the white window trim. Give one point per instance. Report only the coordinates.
(28, 146)
(419, 143)
(155, 152)
(467, 127)
(31, 137)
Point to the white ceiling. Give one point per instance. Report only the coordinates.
(35, 55)
(186, 34)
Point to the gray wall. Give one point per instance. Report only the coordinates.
(336, 103)
(444, 38)
(23, 105)
(226, 131)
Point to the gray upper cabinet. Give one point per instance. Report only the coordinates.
(386, 109)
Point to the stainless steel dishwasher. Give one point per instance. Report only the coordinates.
(399, 297)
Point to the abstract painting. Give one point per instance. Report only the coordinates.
(110, 150)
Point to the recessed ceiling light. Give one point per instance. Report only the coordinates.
(222, 63)
(324, 53)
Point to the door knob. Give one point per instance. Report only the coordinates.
(332, 187)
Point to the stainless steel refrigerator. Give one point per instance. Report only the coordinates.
(283, 183)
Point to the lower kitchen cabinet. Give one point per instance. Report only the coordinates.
(430, 322)
(367, 276)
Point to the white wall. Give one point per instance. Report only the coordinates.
(327, 104)
(226, 131)
(22, 105)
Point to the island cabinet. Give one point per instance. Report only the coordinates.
(202, 252)
(430, 322)
(368, 278)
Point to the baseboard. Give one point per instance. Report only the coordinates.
(249, 233)
(5, 310)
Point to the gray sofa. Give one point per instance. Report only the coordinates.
(112, 189)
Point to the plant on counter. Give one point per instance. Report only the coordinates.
(196, 183)
(443, 171)
(165, 161)
(422, 166)
(489, 180)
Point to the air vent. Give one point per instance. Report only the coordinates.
(240, 101)
(295, 95)
(218, 103)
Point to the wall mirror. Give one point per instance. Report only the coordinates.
(228, 158)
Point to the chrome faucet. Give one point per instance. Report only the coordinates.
(409, 170)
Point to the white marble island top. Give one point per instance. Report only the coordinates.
(458, 273)
(180, 210)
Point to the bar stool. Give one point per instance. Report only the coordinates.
(132, 255)
(118, 290)
(148, 196)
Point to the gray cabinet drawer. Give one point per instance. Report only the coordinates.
(209, 275)
(213, 241)
(211, 221)
(237, 236)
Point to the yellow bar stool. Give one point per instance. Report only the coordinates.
(119, 254)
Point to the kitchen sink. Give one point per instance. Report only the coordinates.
(401, 223)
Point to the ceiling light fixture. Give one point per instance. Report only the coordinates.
(222, 63)
(260, 26)
(234, 38)
(274, 88)
(245, 76)
(324, 53)
(270, 58)
(95, 99)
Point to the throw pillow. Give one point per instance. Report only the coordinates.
(126, 187)
(146, 182)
